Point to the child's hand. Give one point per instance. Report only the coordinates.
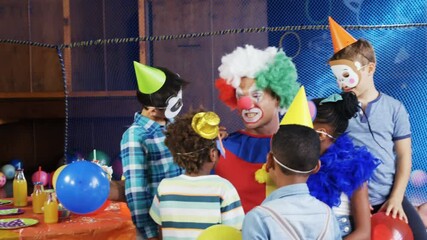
(223, 132)
(395, 208)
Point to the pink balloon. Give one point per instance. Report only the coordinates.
(40, 176)
(2, 179)
(313, 110)
(418, 178)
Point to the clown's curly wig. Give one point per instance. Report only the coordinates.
(271, 68)
(189, 150)
(281, 78)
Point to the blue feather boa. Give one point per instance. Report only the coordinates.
(344, 169)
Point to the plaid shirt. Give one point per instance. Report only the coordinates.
(146, 161)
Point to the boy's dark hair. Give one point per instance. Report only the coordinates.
(297, 147)
(171, 86)
(336, 114)
(189, 150)
(361, 51)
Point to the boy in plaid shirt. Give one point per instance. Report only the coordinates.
(146, 160)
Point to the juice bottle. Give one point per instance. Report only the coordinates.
(51, 208)
(38, 197)
(20, 191)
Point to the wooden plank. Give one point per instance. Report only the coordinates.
(197, 59)
(31, 95)
(14, 20)
(103, 94)
(67, 40)
(141, 27)
(32, 109)
(17, 141)
(88, 71)
(121, 21)
(46, 70)
(49, 136)
(15, 68)
(107, 107)
(190, 58)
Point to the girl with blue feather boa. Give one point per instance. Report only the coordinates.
(345, 168)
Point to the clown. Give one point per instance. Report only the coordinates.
(260, 84)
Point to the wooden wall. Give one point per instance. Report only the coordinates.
(197, 59)
(100, 79)
(31, 87)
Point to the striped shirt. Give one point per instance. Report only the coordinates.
(185, 205)
(146, 161)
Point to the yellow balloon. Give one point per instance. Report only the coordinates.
(56, 174)
(220, 231)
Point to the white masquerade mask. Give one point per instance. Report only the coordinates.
(346, 72)
(174, 105)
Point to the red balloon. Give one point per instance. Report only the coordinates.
(388, 228)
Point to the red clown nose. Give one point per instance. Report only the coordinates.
(244, 103)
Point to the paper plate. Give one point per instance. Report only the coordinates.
(10, 211)
(14, 223)
(5, 201)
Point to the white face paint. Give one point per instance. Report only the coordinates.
(254, 113)
(254, 93)
(347, 73)
(174, 105)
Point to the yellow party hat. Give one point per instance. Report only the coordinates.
(340, 37)
(149, 79)
(298, 112)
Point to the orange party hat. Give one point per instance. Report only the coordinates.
(340, 37)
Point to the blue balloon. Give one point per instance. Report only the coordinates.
(17, 163)
(9, 171)
(82, 187)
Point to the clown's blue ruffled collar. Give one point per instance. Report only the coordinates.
(344, 168)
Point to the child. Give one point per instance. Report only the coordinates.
(383, 127)
(146, 160)
(290, 212)
(260, 84)
(187, 204)
(340, 182)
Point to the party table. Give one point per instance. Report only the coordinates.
(114, 222)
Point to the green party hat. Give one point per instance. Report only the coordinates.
(149, 79)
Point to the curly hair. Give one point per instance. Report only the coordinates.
(189, 150)
(281, 78)
(272, 70)
(337, 114)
